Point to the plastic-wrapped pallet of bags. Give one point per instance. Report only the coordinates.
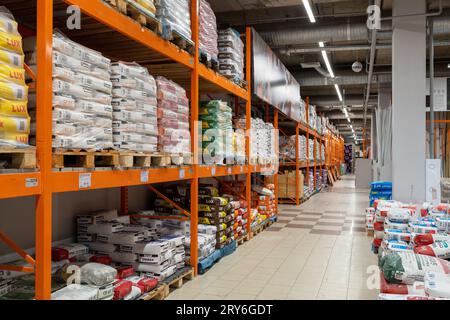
(173, 117)
(14, 118)
(135, 124)
(231, 54)
(175, 14)
(208, 31)
(82, 101)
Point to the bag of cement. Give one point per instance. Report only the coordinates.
(76, 292)
(406, 267)
(426, 239)
(400, 235)
(399, 215)
(439, 249)
(437, 285)
(97, 274)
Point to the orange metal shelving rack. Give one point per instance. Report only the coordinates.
(45, 182)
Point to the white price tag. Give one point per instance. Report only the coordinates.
(229, 170)
(181, 174)
(254, 168)
(31, 182)
(144, 176)
(84, 180)
(213, 171)
(242, 169)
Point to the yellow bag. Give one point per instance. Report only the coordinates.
(13, 108)
(11, 42)
(14, 137)
(8, 25)
(147, 4)
(14, 125)
(13, 91)
(10, 73)
(12, 58)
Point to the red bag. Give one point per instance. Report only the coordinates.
(101, 259)
(121, 289)
(124, 272)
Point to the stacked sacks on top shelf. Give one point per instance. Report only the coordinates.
(231, 55)
(135, 126)
(82, 100)
(173, 118)
(14, 118)
(217, 132)
(214, 210)
(239, 146)
(208, 31)
(175, 15)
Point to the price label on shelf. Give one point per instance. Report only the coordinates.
(229, 170)
(254, 168)
(213, 171)
(31, 182)
(181, 173)
(84, 180)
(144, 176)
(242, 169)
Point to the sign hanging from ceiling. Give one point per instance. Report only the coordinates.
(272, 82)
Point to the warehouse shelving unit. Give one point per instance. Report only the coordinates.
(120, 37)
(303, 128)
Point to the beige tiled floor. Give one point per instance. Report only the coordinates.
(293, 263)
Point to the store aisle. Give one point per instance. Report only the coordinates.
(319, 250)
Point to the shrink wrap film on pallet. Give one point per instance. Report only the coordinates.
(231, 55)
(175, 14)
(208, 31)
(82, 101)
(14, 118)
(173, 118)
(134, 108)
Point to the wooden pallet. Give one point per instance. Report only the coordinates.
(18, 158)
(208, 61)
(85, 159)
(240, 241)
(137, 13)
(178, 279)
(135, 159)
(370, 233)
(178, 39)
(159, 293)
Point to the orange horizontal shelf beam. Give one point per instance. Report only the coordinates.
(7, 267)
(70, 181)
(20, 185)
(221, 171)
(112, 18)
(222, 82)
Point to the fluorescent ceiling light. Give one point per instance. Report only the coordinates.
(309, 11)
(338, 91)
(327, 63)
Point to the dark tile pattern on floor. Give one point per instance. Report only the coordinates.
(327, 222)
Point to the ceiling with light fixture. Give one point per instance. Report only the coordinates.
(341, 27)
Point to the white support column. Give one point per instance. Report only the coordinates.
(408, 100)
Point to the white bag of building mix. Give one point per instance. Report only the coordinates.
(437, 285)
(406, 267)
(438, 249)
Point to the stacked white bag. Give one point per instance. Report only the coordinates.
(82, 111)
(176, 14)
(135, 124)
(231, 55)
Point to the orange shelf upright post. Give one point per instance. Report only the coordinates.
(43, 241)
(297, 164)
(307, 140)
(248, 118)
(275, 177)
(194, 136)
(315, 162)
